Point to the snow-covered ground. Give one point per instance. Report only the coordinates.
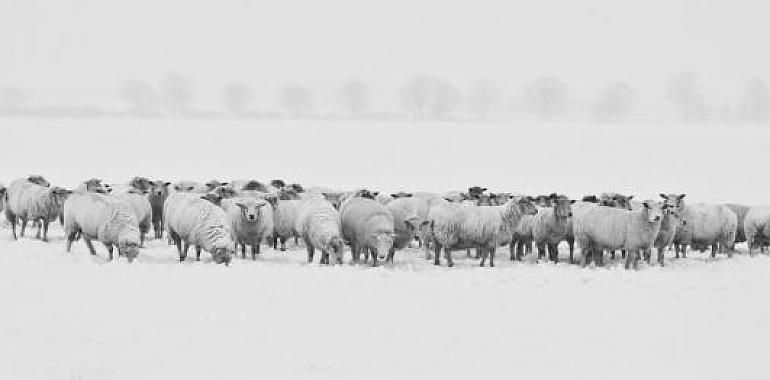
(75, 316)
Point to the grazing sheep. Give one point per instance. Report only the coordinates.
(707, 224)
(600, 228)
(740, 211)
(368, 227)
(551, 226)
(284, 221)
(251, 221)
(410, 220)
(481, 227)
(190, 187)
(191, 220)
(319, 225)
(157, 197)
(100, 217)
(140, 208)
(757, 225)
(25, 201)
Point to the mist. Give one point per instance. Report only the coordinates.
(610, 60)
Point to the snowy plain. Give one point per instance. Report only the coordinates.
(75, 316)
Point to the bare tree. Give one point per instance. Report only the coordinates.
(296, 100)
(12, 99)
(236, 97)
(140, 97)
(755, 106)
(684, 91)
(178, 93)
(423, 94)
(547, 96)
(355, 96)
(484, 97)
(615, 102)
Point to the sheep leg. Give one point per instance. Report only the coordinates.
(714, 248)
(45, 231)
(584, 252)
(283, 244)
(274, 242)
(661, 256)
(437, 254)
(23, 226)
(141, 239)
(70, 239)
(483, 253)
(448, 257)
(254, 251)
(629, 258)
(571, 243)
(183, 247)
(553, 252)
(39, 228)
(512, 248)
(243, 250)
(540, 250)
(375, 256)
(684, 251)
(749, 241)
(324, 257)
(491, 256)
(110, 249)
(89, 245)
(13, 226)
(468, 252)
(310, 252)
(391, 253)
(198, 253)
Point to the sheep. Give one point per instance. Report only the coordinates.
(251, 221)
(191, 220)
(284, 220)
(248, 184)
(482, 227)
(38, 180)
(140, 208)
(26, 201)
(551, 226)
(319, 225)
(757, 225)
(599, 228)
(740, 211)
(707, 224)
(190, 187)
(141, 183)
(157, 197)
(669, 224)
(368, 227)
(100, 217)
(410, 220)
(93, 185)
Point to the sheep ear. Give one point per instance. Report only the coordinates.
(630, 197)
(273, 200)
(646, 205)
(662, 195)
(572, 201)
(167, 184)
(241, 205)
(375, 193)
(682, 196)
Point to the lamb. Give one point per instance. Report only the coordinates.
(251, 221)
(100, 217)
(757, 225)
(26, 201)
(599, 228)
(157, 197)
(192, 220)
(140, 208)
(368, 227)
(740, 211)
(551, 226)
(410, 220)
(284, 220)
(482, 227)
(668, 226)
(707, 224)
(190, 187)
(318, 223)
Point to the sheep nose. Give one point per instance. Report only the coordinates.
(251, 217)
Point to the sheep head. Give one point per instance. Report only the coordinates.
(38, 180)
(251, 209)
(222, 255)
(654, 210)
(140, 183)
(336, 248)
(94, 185)
(129, 249)
(159, 189)
(562, 206)
(382, 241)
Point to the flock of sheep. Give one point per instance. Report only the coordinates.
(222, 218)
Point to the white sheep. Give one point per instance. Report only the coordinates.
(599, 228)
(756, 226)
(707, 224)
(521, 242)
(482, 227)
(368, 227)
(191, 220)
(93, 185)
(551, 226)
(318, 223)
(251, 221)
(410, 220)
(668, 226)
(140, 208)
(100, 217)
(26, 201)
(284, 220)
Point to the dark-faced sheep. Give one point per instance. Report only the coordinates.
(157, 197)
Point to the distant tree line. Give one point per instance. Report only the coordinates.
(425, 97)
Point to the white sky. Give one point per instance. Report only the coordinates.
(84, 48)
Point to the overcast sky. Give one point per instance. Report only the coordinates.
(79, 48)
